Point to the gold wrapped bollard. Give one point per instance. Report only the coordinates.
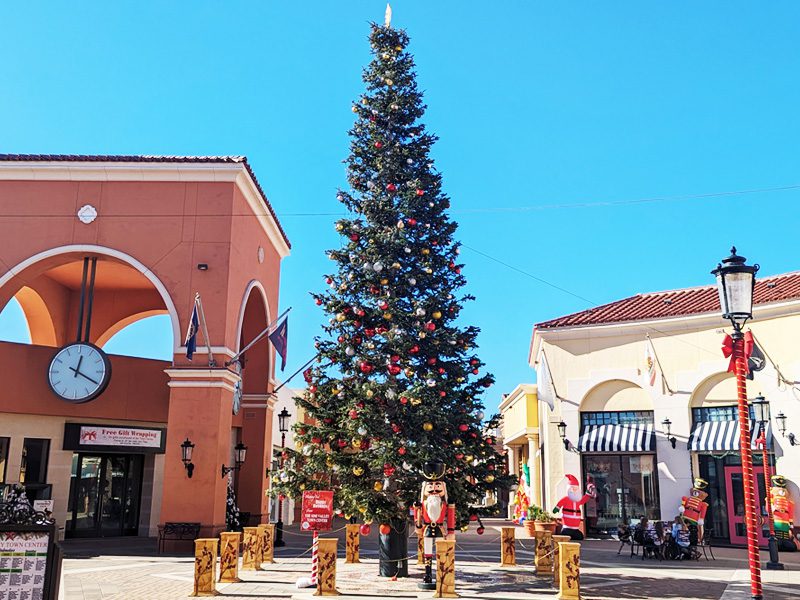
(251, 550)
(445, 569)
(352, 541)
(569, 560)
(229, 556)
(508, 547)
(420, 550)
(557, 539)
(267, 537)
(205, 567)
(326, 570)
(543, 557)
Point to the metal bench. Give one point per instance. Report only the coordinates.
(177, 531)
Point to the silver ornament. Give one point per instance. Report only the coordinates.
(350, 351)
(420, 312)
(430, 382)
(412, 281)
(362, 431)
(409, 161)
(378, 266)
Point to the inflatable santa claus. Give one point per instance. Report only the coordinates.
(570, 507)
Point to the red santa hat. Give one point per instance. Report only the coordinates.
(573, 480)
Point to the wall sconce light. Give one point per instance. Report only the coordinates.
(202, 266)
(667, 430)
(187, 448)
(562, 431)
(781, 419)
(240, 452)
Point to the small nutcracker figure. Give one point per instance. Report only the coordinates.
(432, 515)
(782, 513)
(693, 507)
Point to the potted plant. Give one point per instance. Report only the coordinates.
(539, 520)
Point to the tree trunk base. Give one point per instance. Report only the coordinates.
(393, 550)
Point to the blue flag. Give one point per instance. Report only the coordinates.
(280, 339)
(191, 333)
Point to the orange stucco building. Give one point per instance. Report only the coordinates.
(161, 230)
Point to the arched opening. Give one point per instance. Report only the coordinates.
(48, 288)
(13, 325)
(616, 395)
(254, 319)
(146, 336)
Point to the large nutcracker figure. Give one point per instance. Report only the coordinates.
(693, 507)
(782, 513)
(432, 516)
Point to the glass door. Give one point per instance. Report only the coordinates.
(105, 495)
(734, 487)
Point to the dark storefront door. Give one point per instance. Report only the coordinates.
(105, 494)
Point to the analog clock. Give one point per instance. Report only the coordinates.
(79, 372)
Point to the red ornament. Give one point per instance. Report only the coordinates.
(342, 443)
(327, 420)
(442, 394)
(459, 456)
(312, 389)
(341, 339)
(414, 349)
(490, 467)
(318, 301)
(369, 332)
(420, 192)
(360, 312)
(473, 517)
(474, 361)
(463, 427)
(430, 326)
(480, 530)
(353, 414)
(411, 222)
(458, 271)
(475, 371)
(441, 370)
(383, 305)
(385, 529)
(316, 440)
(432, 361)
(365, 367)
(394, 369)
(388, 470)
(301, 431)
(381, 330)
(364, 445)
(396, 428)
(394, 358)
(354, 237)
(403, 400)
(356, 323)
(365, 529)
(473, 434)
(329, 281)
(359, 405)
(378, 145)
(391, 187)
(401, 450)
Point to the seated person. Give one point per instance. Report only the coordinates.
(680, 533)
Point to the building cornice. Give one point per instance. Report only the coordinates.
(234, 172)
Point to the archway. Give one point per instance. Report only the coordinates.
(253, 319)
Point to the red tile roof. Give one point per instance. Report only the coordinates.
(675, 303)
(149, 159)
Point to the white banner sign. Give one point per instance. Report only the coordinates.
(120, 436)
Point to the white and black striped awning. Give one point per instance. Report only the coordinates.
(723, 436)
(617, 438)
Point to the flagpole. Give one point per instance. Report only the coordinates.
(293, 375)
(259, 337)
(199, 303)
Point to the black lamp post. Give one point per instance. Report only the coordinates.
(186, 456)
(240, 452)
(283, 427)
(735, 283)
(781, 419)
(668, 430)
(761, 414)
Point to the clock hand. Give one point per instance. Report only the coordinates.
(78, 367)
(87, 377)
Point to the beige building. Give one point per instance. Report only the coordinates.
(521, 440)
(618, 372)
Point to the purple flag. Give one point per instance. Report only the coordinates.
(280, 339)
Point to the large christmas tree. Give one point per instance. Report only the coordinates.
(397, 382)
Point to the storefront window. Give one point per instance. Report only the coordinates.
(627, 488)
(33, 468)
(706, 414)
(627, 417)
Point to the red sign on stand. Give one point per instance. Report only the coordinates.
(317, 511)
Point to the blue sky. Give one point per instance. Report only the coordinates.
(538, 105)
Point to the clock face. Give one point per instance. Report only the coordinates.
(79, 372)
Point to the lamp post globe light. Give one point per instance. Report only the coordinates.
(735, 284)
(283, 427)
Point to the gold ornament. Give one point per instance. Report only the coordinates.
(302, 486)
(362, 509)
(358, 471)
(468, 458)
(465, 528)
(436, 314)
(355, 108)
(409, 371)
(426, 251)
(415, 401)
(335, 391)
(384, 281)
(340, 317)
(275, 479)
(348, 517)
(387, 316)
(428, 270)
(489, 478)
(398, 48)
(370, 393)
(396, 265)
(427, 426)
(329, 462)
(377, 486)
(356, 443)
(339, 226)
(457, 442)
(422, 335)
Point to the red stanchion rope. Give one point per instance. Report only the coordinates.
(750, 507)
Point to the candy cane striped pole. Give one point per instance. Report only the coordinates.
(314, 558)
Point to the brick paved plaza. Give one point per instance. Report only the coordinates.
(95, 570)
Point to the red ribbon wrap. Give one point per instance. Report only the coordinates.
(727, 351)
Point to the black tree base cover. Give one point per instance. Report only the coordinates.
(393, 550)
